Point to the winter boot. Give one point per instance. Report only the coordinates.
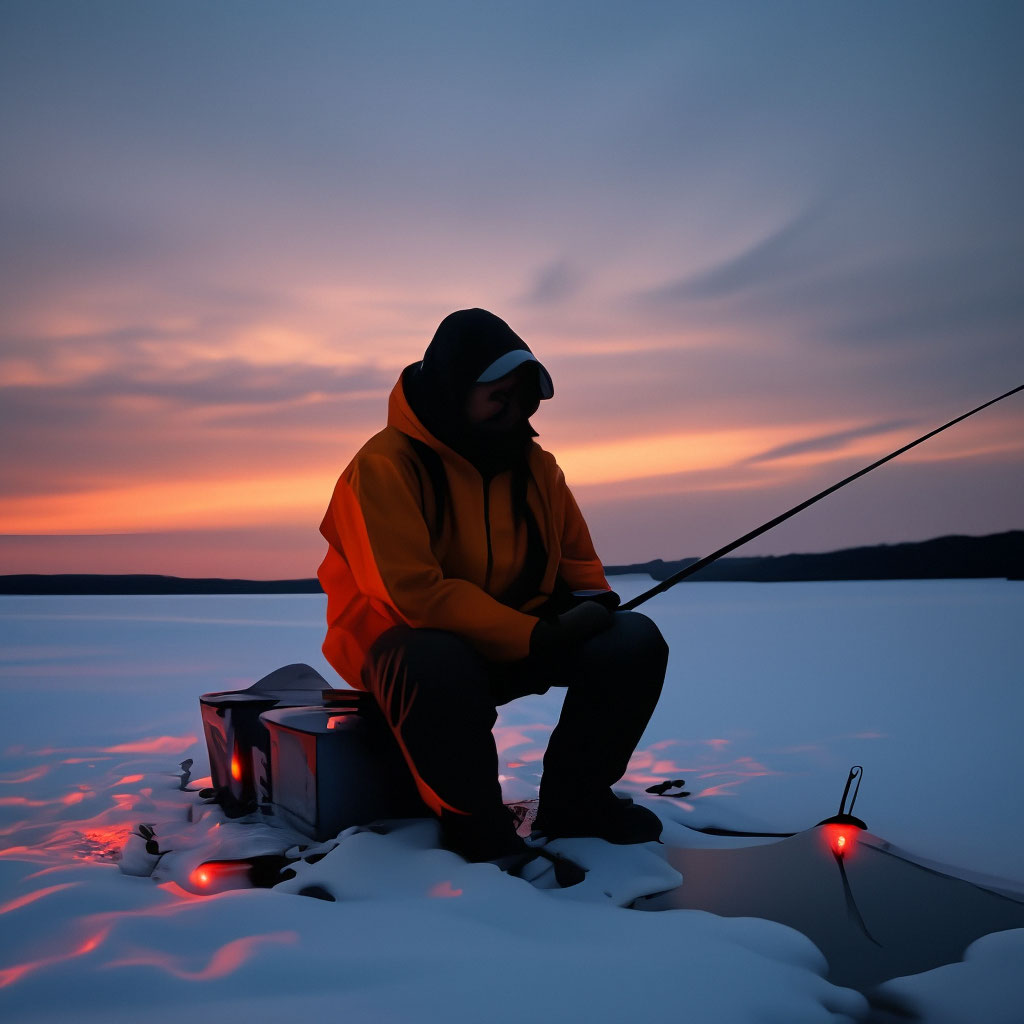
(602, 815)
(485, 836)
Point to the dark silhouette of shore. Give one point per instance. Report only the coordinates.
(85, 583)
(999, 555)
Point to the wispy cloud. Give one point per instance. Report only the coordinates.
(833, 442)
(553, 283)
(790, 251)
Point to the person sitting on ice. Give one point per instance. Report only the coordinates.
(460, 575)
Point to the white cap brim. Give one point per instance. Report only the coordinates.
(509, 361)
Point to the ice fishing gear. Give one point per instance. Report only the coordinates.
(843, 826)
(237, 741)
(321, 759)
(678, 577)
(258, 872)
(840, 831)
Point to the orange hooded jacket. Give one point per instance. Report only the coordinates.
(387, 562)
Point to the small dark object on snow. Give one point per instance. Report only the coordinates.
(567, 872)
(267, 871)
(318, 892)
(661, 788)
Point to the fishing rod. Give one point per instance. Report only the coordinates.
(678, 577)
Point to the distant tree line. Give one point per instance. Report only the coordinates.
(999, 555)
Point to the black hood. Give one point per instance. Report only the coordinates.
(465, 346)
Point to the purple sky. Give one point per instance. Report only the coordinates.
(758, 245)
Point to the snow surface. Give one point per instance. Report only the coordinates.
(774, 690)
(974, 990)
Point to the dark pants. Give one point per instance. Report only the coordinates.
(440, 697)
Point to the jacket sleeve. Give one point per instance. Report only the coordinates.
(579, 566)
(376, 519)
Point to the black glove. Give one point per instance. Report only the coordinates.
(606, 598)
(569, 629)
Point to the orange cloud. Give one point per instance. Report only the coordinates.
(179, 504)
(668, 453)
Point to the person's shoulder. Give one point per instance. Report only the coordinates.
(544, 465)
(389, 442)
(387, 445)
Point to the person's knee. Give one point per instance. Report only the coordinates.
(640, 637)
(641, 654)
(632, 650)
(432, 661)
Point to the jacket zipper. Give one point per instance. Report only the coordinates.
(487, 530)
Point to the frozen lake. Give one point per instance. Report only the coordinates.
(773, 692)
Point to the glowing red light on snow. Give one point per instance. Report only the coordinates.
(9, 975)
(31, 897)
(225, 960)
(90, 944)
(214, 876)
(153, 745)
(444, 891)
(841, 839)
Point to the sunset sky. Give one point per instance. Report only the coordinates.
(758, 245)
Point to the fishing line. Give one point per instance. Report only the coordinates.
(678, 577)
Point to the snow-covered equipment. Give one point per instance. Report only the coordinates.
(689, 570)
(321, 759)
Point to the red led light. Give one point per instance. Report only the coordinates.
(214, 876)
(236, 768)
(841, 839)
